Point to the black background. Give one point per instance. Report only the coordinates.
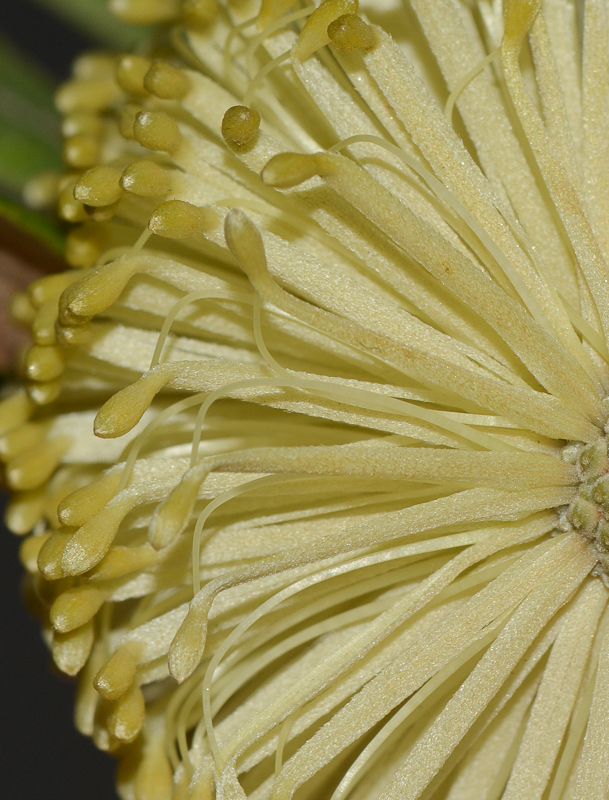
(42, 757)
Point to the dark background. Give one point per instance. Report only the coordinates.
(42, 757)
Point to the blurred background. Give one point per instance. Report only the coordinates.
(42, 757)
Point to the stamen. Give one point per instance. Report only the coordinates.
(314, 35)
(239, 125)
(166, 81)
(126, 120)
(94, 94)
(271, 11)
(85, 244)
(99, 186)
(127, 715)
(130, 73)
(14, 411)
(98, 289)
(146, 179)
(34, 466)
(29, 551)
(22, 438)
(71, 650)
(51, 553)
(199, 13)
(124, 410)
(177, 219)
(118, 673)
(81, 505)
(156, 130)
(83, 122)
(350, 33)
(145, 12)
(120, 561)
(91, 542)
(68, 207)
(75, 607)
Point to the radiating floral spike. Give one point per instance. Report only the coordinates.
(311, 448)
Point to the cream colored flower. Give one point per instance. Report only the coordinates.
(338, 317)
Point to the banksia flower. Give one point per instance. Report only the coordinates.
(310, 452)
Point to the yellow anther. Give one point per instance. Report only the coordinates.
(42, 191)
(154, 776)
(75, 607)
(91, 542)
(271, 11)
(166, 81)
(22, 309)
(157, 131)
(43, 393)
(518, 17)
(126, 119)
(602, 534)
(21, 438)
(94, 94)
(127, 715)
(29, 551)
(84, 245)
(94, 64)
(584, 516)
(81, 151)
(68, 207)
(82, 122)
(14, 411)
(24, 510)
(101, 214)
(177, 219)
(72, 334)
(124, 410)
(188, 645)
(71, 650)
(34, 466)
(43, 363)
(130, 72)
(314, 35)
(145, 12)
(173, 515)
(48, 288)
(99, 186)
(593, 460)
(96, 290)
(199, 12)
(600, 491)
(118, 673)
(350, 33)
(290, 169)
(83, 504)
(146, 179)
(240, 124)
(121, 560)
(43, 324)
(51, 553)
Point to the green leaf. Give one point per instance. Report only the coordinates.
(93, 18)
(30, 140)
(33, 224)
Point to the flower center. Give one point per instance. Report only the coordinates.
(588, 513)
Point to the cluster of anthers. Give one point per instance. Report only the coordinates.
(588, 512)
(289, 447)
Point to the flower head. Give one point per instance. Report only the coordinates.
(312, 442)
